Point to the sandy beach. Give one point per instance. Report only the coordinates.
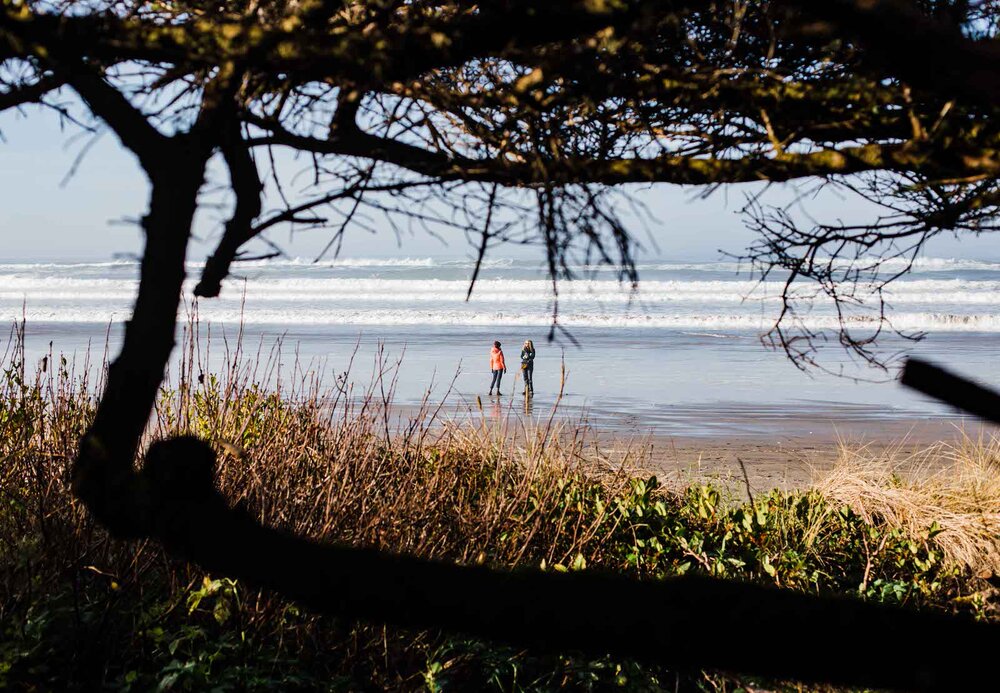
(791, 459)
(783, 448)
(682, 372)
(782, 444)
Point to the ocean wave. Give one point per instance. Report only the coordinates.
(939, 264)
(335, 290)
(278, 263)
(31, 267)
(305, 317)
(365, 263)
(922, 264)
(889, 265)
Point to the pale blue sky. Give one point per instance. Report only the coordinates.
(43, 216)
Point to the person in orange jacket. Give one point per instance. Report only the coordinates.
(497, 366)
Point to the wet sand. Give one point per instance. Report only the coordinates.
(768, 465)
(787, 446)
(789, 458)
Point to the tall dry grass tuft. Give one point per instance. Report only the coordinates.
(338, 463)
(953, 488)
(345, 464)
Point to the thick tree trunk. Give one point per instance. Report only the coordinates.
(104, 472)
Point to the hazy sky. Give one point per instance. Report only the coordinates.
(48, 215)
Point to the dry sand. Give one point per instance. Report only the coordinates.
(783, 447)
(784, 460)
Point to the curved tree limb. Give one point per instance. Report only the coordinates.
(676, 169)
(247, 187)
(103, 475)
(29, 93)
(129, 124)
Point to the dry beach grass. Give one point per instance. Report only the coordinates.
(953, 484)
(340, 465)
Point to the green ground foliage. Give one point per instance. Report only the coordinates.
(82, 611)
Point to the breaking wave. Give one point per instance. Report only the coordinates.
(940, 322)
(425, 291)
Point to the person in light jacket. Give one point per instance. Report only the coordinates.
(528, 366)
(497, 366)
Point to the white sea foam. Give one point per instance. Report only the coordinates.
(916, 321)
(29, 267)
(36, 288)
(323, 295)
(924, 264)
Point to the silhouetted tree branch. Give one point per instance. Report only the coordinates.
(247, 187)
(532, 111)
(20, 94)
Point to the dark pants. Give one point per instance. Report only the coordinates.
(496, 381)
(528, 372)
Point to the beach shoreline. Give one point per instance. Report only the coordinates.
(794, 460)
(790, 452)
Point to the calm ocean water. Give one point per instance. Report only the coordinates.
(681, 351)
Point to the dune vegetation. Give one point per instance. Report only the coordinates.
(80, 610)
